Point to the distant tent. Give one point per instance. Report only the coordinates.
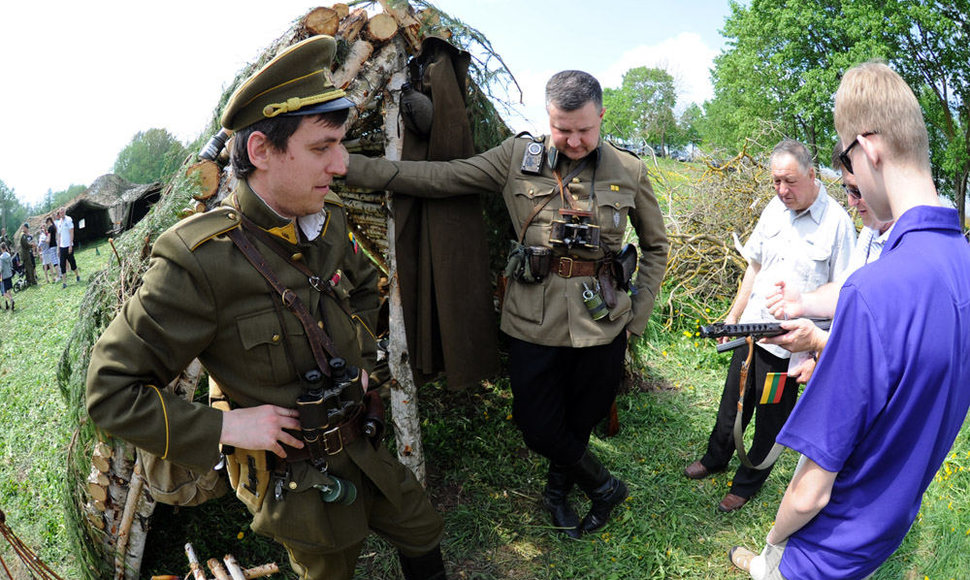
(109, 207)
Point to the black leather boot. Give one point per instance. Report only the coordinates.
(424, 567)
(604, 491)
(555, 499)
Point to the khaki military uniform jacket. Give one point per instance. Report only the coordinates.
(201, 298)
(550, 313)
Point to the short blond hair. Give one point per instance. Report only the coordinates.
(873, 97)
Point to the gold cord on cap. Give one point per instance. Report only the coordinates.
(296, 103)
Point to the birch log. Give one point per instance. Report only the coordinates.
(404, 392)
(127, 518)
(351, 26)
(373, 76)
(322, 20)
(360, 51)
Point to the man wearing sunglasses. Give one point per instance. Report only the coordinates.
(788, 304)
(889, 394)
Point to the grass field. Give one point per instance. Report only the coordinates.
(483, 480)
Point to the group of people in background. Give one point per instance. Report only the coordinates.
(53, 243)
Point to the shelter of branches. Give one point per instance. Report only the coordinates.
(110, 507)
(109, 207)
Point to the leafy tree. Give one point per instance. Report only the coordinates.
(617, 122)
(785, 60)
(783, 65)
(153, 155)
(12, 212)
(689, 125)
(62, 197)
(643, 106)
(931, 49)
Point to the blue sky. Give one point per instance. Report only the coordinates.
(80, 79)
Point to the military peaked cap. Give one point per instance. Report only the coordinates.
(296, 82)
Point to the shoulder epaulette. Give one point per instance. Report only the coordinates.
(200, 228)
(624, 149)
(333, 198)
(521, 134)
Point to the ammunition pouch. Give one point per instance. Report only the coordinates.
(173, 484)
(616, 272)
(528, 264)
(249, 475)
(624, 264)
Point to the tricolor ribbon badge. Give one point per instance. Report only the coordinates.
(774, 387)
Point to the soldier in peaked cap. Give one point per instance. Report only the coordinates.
(203, 298)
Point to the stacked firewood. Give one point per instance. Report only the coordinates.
(371, 47)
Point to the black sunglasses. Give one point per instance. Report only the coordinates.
(852, 191)
(844, 156)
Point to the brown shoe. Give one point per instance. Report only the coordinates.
(731, 503)
(741, 557)
(696, 470)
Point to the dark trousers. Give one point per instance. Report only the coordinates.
(768, 422)
(561, 393)
(66, 258)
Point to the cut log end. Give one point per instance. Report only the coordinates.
(208, 173)
(322, 20)
(381, 28)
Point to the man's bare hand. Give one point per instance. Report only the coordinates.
(261, 428)
(803, 372)
(802, 335)
(785, 302)
(727, 320)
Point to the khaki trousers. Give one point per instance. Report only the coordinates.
(415, 530)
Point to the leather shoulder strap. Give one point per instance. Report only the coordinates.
(320, 342)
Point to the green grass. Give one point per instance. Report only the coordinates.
(482, 479)
(34, 428)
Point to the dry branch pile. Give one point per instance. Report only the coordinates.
(709, 215)
(110, 509)
(704, 267)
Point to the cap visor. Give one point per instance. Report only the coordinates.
(337, 104)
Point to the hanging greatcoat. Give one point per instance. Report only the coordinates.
(442, 255)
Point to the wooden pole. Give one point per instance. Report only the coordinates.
(135, 486)
(197, 572)
(234, 569)
(404, 392)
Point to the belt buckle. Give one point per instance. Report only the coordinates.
(562, 261)
(340, 440)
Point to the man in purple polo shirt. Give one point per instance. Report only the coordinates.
(890, 392)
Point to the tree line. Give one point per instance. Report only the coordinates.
(150, 156)
(783, 64)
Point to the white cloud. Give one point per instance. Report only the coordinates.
(684, 56)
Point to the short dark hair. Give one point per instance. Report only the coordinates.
(572, 89)
(278, 131)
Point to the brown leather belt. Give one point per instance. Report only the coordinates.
(334, 439)
(568, 267)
